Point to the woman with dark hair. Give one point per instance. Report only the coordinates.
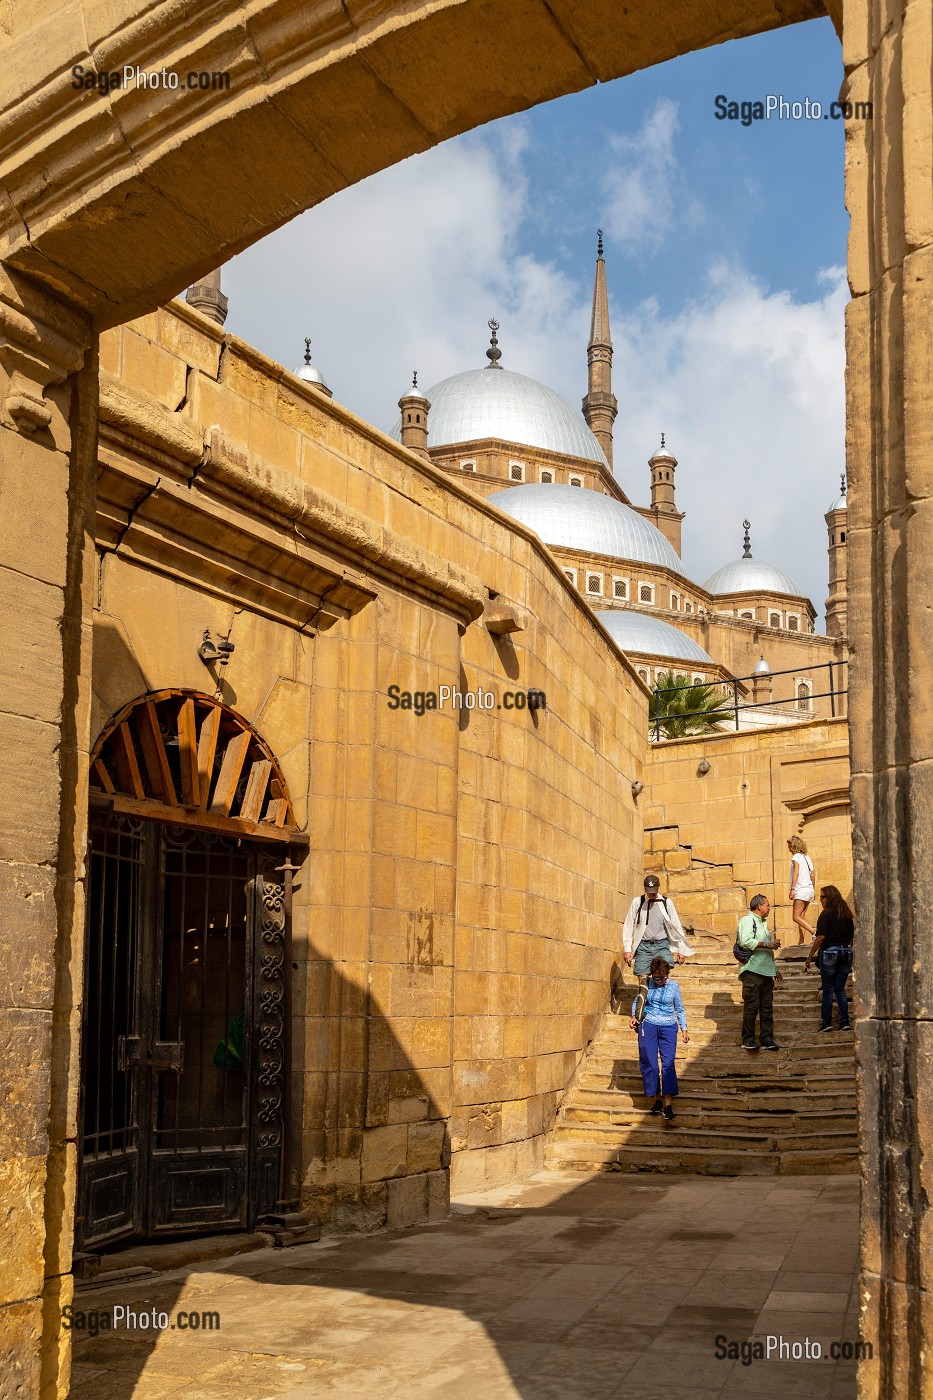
(832, 949)
(657, 1036)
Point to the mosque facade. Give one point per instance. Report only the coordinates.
(523, 447)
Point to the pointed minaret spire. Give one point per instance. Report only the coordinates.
(599, 406)
(747, 551)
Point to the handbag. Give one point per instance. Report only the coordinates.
(741, 954)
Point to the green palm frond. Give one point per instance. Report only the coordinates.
(680, 708)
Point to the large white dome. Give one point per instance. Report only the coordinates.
(651, 636)
(497, 403)
(750, 576)
(577, 518)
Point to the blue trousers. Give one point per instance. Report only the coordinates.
(835, 966)
(654, 1041)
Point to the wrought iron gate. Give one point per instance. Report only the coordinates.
(183, 1046)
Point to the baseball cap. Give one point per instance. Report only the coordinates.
(652, 882)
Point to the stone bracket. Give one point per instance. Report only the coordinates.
(42, 342)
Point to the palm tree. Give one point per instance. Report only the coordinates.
(680, 708)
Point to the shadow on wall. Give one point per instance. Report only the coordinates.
(550, 1299)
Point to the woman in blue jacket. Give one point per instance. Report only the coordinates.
(657, 1036)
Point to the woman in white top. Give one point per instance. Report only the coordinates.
(802, 888)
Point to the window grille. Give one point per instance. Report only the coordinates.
(594, 583)
(571, 574)
(547, 476)
(749, 616)
(576, 481)
(774, 619)
(645, 593)
(675, 602)
(620, 588)
(516, 471)
(793, 623)
(468, 466)
(803, 695)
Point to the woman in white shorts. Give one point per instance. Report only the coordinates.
(802, 888)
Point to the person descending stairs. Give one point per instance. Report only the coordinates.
(792, 1111)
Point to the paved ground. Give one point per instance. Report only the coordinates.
(565, 1286)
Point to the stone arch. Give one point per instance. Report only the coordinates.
(132, 194)
(183, 757)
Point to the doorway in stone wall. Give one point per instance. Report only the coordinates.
(184, 1035)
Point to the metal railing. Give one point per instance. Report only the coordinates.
(735, 703)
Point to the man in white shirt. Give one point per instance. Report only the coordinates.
(652, 929)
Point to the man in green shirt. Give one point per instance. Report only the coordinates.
(758, 974)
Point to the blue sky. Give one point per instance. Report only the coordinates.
(725, 250)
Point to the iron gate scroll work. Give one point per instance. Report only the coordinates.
(270, 983)
(185, 1061)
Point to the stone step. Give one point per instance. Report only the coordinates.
(802, 1027)
(603, 1100)
(777, 1121)
(652, 1132)
(585, 1156)
(728, 1057)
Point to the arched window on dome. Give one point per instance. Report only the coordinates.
(576, 481)
(572, 575)
(675, 602)
(774, 619)
(516, 471)
(747, 616)
(594, 583)
(469, 466)
(620, 588)
(793, 622)
(688, 607)
(646, 593)
(804, 695)
(699, 680)
(642, 671)
(547, 477)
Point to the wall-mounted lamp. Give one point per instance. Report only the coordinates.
(637, 787)
(702, 767)
(215, 651)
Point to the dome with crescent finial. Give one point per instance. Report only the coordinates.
(499, 403)
(748, 575)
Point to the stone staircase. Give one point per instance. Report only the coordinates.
(737, 1114)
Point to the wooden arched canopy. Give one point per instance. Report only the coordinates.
(182, 757)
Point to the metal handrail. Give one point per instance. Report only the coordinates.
(733, 709)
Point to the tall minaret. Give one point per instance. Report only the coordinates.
(837, 602)
(600, 406)
(205, 296)
(664, 510)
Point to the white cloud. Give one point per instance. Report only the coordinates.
(404, 270)
(642, 178)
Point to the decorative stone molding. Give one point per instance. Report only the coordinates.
(42, 342)
(252, 512)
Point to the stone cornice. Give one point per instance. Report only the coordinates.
(239, 493)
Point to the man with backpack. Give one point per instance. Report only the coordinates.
(755, 949)
(652, 929)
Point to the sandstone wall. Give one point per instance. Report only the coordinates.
(721, 836)
(459, 910)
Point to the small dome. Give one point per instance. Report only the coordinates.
(309, 372)
(762, 669)
(663, 454)
(750, 576)
(650, 636)
(839, 503)
(575, 518)
(497, 403)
